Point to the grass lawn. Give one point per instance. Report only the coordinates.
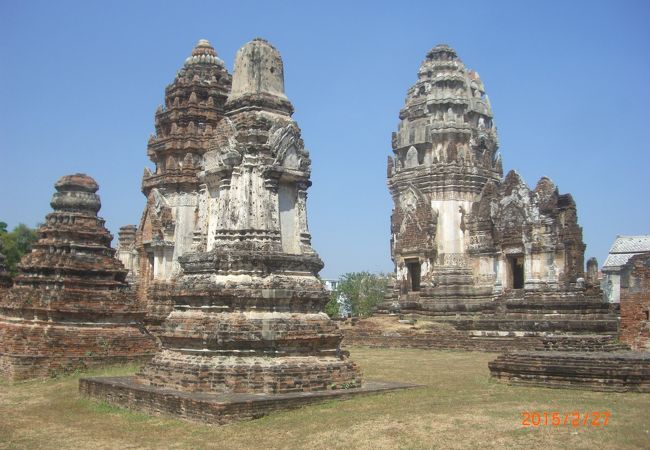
(459, 407)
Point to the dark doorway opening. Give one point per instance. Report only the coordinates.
(517, 271)
(414, 274)
(151, 266)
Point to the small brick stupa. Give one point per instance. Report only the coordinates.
(69, 307)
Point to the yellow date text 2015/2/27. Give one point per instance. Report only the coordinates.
(565, 419)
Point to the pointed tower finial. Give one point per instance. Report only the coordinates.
(258, 77)
(203, 53)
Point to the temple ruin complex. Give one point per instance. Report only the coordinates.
(69, 307)
(248, 306)
(482, 262)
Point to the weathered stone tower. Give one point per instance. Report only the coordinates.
(185, 125)
(461, 235)
(248, 308)
(69, 307)
(126, 251)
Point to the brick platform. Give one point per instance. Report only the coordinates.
(625, 371)
(387, 332)
(213, 408)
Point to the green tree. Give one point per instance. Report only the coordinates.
(332, 307)
(16, 243)
(361, 292)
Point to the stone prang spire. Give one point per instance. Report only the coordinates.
(445, 151)
(248, 310)
(194, 104)
(185, 126)
(460, 235)
(69, 307)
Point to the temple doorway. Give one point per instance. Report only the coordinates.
(413, 267)
(516, 266)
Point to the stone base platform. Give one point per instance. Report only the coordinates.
(624, 371)
(389, 332)
(210, 408)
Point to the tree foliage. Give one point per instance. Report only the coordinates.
(360, 292)
(16, 243)
(332, 307)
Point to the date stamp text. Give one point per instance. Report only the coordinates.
(568, 419)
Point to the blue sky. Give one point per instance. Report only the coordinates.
(569, 84)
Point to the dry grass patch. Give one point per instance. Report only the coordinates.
(459, 407)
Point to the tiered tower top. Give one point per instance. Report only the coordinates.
(194, 104)
(446, 126)
(204, 53)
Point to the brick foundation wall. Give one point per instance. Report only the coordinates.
(635, 302)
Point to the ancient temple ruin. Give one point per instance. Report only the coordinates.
(185, 125)
(252, 298)
(460, 234)
(248, 306)
(481, 262)
(69, 307)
